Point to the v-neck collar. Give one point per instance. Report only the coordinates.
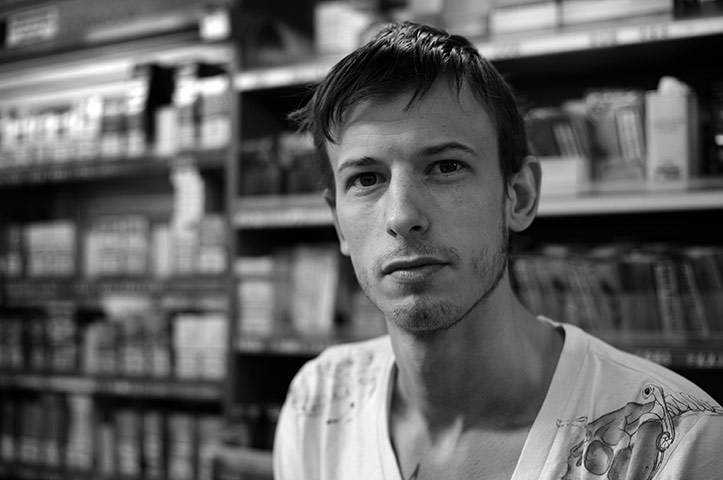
(543, 430)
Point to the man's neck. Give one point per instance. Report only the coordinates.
(492, 369)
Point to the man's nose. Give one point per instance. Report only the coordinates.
(405, 209)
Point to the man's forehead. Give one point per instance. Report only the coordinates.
(442, 98)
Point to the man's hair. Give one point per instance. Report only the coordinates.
(409, 57)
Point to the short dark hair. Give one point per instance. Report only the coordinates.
(406, 57)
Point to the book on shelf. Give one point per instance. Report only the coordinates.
(154, 440)
(62, 336)
(117, 245)
(105, 444)
(292, 291)
(278, 164)
(53, 441)
(715, 141)
(669, 295)
(617, 118)
(257, 306)
(558, 137)
(252, 426)
(69, 432)
(11, 251)
(185, 104)
(128, 430)
(210, 428)
(260, 171)
(9, 409)
(199, 345)
(697, 8)
(214, 107)
(707, 266)
(158, 342)
(297, 159)
(31, 432)
(130, 335)
(36, 352)
(50, 248)
(12, 339)
(604, 262)
(667, 291)
(691, 297)
(86, 127)
(315, 279)
(113, 127)
(212, 253)
(136, 99)
(181, 448)
(199, 116)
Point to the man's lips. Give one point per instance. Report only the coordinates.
(416, 264)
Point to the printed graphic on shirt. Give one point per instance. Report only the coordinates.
(630, 442)
(344, 386)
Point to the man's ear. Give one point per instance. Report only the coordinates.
(523, 195)
(331, 202)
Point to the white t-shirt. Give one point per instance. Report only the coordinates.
(608, 415)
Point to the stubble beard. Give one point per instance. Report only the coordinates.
(425, 316)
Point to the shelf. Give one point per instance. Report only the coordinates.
(283, 345)
(24, 471)
(699, 354)
(152, 388)
(589, 37)
(37, 472)
(705, 354)
(311, 210)
(97, 70)
(24, 292)
(281, 212)
(597, 36)
(97, 169)
(631, 202)
(232, 461)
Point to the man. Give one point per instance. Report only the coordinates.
(424, 152)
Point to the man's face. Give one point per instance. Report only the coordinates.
(420, 205)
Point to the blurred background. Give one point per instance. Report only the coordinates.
(167, 262)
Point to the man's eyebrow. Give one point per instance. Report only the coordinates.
(357, 163)
(429, 151)
(443, 147)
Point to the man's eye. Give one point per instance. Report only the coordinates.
(448, 166)
(365, 179)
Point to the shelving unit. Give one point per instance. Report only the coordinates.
(271, 232)
(114, 240)
(545, 67)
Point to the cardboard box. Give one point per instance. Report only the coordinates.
(672, 134)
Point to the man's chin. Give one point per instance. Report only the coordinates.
(424, 318)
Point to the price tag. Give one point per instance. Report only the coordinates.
(654, 32)
(603, 38)
(32, 26)
(287, 345)
(660, 356)
(503, 50)
(704, 360)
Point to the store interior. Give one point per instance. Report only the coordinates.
(167, 262)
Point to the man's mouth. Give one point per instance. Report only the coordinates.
(413, 269)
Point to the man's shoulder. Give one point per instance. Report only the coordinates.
(606, 364)
(343, 378)
(370, 349)
(629, 365)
